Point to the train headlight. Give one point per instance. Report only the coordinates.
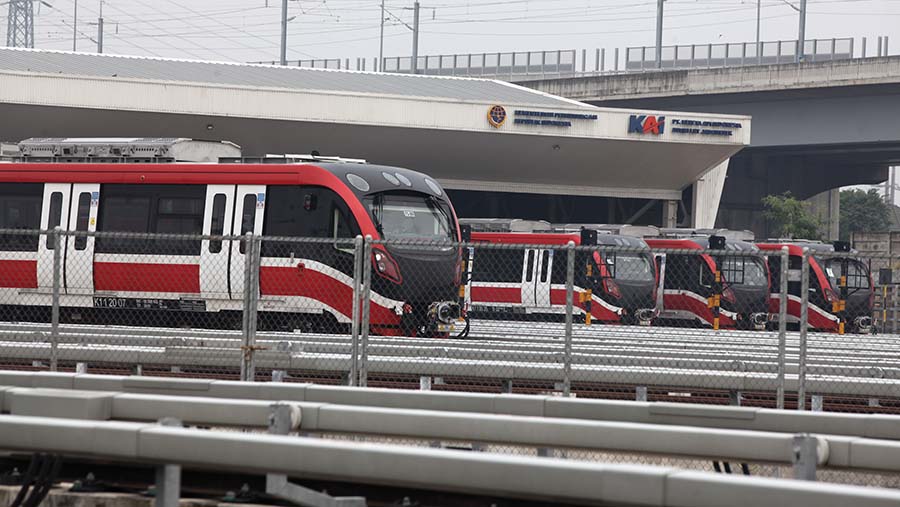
(386, 266)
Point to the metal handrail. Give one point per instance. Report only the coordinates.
(421, 468)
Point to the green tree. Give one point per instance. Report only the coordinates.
(791, 217)
(863, 211)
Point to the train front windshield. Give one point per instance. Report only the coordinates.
(857, 275)
(634, 268)
(411, 217)
(755, 273)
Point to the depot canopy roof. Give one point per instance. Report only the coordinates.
(470, 133)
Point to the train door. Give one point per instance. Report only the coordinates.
(54, 213)
(79, 272)
(536, 278)
(217, 217)
(250, 205)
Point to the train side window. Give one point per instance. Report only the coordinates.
(248, 218)
(20, 208)
(81, 219)
(217, 224)
(162, 209)
(55, 216)
(495, 265)
(123, 213)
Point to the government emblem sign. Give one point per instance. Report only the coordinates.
(496, 116)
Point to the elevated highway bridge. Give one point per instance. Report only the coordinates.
(817, 125)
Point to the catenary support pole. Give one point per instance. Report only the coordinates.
(284, 18)
(380, 64)
(75, 28)
(801, 37)
(758, 47)
(414, 65)
(659, 32)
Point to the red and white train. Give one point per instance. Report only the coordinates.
(530, 282)
(833, 306)
(133, 281)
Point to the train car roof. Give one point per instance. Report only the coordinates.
(730, 244)
(525, 238)
(375, 178)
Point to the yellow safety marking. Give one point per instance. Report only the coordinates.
(844, 281)
(716, 324)
(841, 328)
(718, 276)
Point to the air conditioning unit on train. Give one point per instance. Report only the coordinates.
(168, 149)
(506, 225)
(635, 231)
(686, 232)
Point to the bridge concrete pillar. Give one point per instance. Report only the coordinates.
(670, 213)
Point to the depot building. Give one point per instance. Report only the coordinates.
(501, 150)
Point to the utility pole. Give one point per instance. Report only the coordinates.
(75, 28)
(801, 42)
(415, 50)
(20, 24)
(659, 30)
(284, 22)
(378, 68)
(758, 47)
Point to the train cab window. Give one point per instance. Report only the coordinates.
(305, 212)
(82, 217)
(495, 265)
(857, 276)
(20, 208)
(217, 223)
(248, 218)
(54, 216)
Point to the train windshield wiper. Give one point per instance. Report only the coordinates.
(378, 212)
(434, 205)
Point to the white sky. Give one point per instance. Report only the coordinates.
(248, 30)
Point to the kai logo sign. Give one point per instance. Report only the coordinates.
(646, 124)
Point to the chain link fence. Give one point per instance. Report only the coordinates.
(616, 321)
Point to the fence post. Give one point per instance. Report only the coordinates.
(570, 302)
(782, 325)
(354, 318)
(168, 477)
(804, 327)
(366, 307)
(805, 457)
(54, 312)
(251, 299)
